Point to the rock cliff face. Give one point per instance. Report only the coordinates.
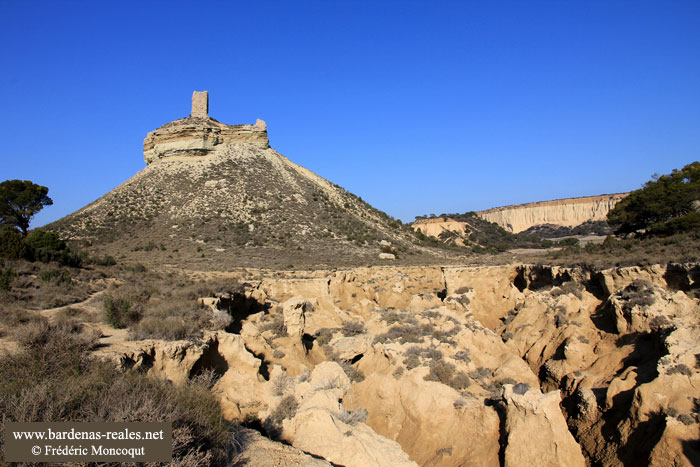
(568, 212)
(438, 226)
(198, 136)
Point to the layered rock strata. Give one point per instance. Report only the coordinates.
(568, 212)
(198, 136)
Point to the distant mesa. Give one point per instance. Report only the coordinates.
(571, 216)
(199, 134)
(569, 212)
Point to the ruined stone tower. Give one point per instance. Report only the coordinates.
(200, 104)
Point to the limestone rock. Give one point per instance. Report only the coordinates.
(350, 347)
(568, 212)
(258, 450)
(197, 136)
(294, 311)
(536, 431)
(387, 256)
(324, 428)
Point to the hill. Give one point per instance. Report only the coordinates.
(219, 194)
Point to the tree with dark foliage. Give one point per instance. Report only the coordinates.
(20, 200)
(666, 205)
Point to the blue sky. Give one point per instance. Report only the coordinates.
(418, 107)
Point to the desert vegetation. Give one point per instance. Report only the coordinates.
(52, 377)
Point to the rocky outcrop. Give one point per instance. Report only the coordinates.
(536, 430)
(446, 366)
(436, 227)
(322, 426)
(568, 212)
(198, 136)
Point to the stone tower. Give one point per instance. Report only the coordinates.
(200, 104)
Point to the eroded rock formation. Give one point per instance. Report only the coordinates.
(568, 212)
(508, 365)
(198, 136)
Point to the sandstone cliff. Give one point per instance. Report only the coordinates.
(447, 366)
(568, 212)
(198, 136)
(439, 226)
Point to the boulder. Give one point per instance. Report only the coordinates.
(536, 431)
(294, 319)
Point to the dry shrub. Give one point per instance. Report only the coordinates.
(287, 408)
(275, 323)
(639, 293)
(172, 321)
(220, 320)
(352, 329)
(280, 384)
(403, 333)
(354, 374)
(352, 417)
(323, 336)
(681, 369)
(54, 378)
(441, 371)
(569, 288)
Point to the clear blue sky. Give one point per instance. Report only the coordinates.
(418, 107)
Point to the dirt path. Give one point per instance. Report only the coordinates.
(112, 342)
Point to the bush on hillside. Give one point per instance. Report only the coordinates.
(53, 378)
(12, 245)
(47, 247)
(663, 206)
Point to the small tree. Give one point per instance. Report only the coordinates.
(20, 200)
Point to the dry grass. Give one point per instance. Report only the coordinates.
(54, 378)
(616, 252)
(39, 286)
(155, 306)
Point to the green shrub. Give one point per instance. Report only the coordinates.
(137, 268)
(12, 244)
(103, 261)
(47, 247)
(639, 293)
(120, 312)
(55, 276)
(41, 239)
(6, 276)
(571, 241)
(663, 206)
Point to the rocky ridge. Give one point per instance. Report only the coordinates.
(195, 136)
(569, 212)
(459, 365)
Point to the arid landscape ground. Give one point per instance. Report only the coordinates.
(277, 319)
